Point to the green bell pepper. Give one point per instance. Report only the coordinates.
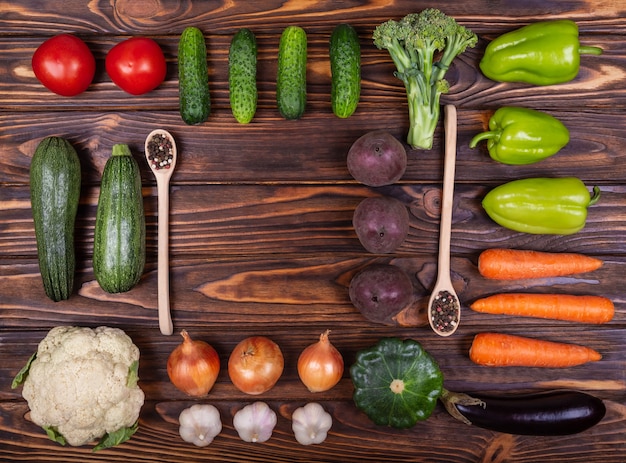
(522, 136)
(553, 206)
(542, 53)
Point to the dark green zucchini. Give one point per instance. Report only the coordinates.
(55, 192)
(119, 250)
(345, 69)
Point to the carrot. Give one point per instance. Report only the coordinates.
(515, 264)
(505, 350)
(584, 309)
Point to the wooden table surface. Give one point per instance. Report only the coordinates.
(261, 241)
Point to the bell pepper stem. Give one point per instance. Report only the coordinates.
(585, 50)
(483, 136)
(595, 196)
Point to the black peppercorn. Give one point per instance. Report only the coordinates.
(160, 152)
(444, 312)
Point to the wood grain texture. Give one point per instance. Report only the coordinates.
(261, 240)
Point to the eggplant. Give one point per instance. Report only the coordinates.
(550, 413)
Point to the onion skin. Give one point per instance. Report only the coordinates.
(193, 366)
(255, 365)
(320, 365)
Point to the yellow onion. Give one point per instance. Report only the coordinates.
(320, 365)
(193, 366)
(255, 365)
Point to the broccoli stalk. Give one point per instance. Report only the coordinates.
(413, 43)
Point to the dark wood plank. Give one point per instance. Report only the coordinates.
(261, 234)
(130, 17)
(604, 377)
(352, 439)
(225, 152)
(352, 431)
(271, 291)
(597, 82)
(222, 220)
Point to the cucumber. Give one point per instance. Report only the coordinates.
(193, 77)
(345, 69)
(242, 58)
(54, 194)
(119, 249)
(291, 75)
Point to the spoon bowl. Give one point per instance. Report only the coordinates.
(444, 310)
(161, 154)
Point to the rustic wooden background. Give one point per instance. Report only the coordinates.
(261, 236)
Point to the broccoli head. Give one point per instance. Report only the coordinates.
(422, 46)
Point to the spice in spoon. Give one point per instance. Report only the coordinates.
(444, 312)
(160, 151)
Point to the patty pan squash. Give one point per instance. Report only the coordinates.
(396, 382)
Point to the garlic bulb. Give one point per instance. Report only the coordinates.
(255, 422)
(311, 423)
(199, 424)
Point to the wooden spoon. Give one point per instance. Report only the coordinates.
(161, 156)
(444, 310)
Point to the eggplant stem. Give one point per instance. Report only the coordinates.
(450, 399)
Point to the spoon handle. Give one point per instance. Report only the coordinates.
(165, 319)
(447, 196)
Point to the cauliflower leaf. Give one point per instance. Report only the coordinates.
(54, 435)
(117, 437)
(23, 373)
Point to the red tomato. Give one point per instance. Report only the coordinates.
(136, 65)
(64, 64)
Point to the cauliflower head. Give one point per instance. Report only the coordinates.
(81, 385)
